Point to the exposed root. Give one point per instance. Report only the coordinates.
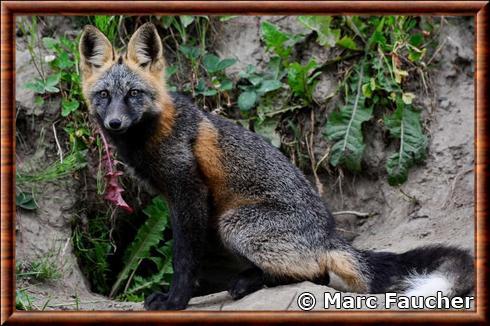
(356, 213)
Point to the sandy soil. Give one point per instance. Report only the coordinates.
(436, 205)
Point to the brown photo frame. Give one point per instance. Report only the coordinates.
(9, 9)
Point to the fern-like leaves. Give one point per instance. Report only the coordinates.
(404, 124)
(148, 236)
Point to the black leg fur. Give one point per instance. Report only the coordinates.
(155, 300)
(188, 218)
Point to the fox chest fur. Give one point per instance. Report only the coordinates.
(159, 159)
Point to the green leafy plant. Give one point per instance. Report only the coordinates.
(404, 125)
(322, 25)
(23, 301)
(25, 200)
(344, 128)
(148, 237)
(257, 86)
(217, 83)
(46, 86)
(302, 79)
(144, 285)
(278, 41)
(380, 84)
(65, 59)
(41, 269)
(180, 23)
(93, 247)
(109, 25)
(71, 163)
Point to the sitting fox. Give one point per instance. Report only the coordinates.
(217, 174)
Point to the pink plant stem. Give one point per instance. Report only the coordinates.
(107, 151)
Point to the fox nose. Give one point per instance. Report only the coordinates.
(115, 124)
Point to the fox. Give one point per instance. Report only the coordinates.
(216, 174)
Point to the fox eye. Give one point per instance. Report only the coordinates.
(104, 94)
(134, 92)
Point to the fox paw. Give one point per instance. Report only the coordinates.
(242, 286)
(155, 300)
(159, 301)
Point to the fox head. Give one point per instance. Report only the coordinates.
(123, 89)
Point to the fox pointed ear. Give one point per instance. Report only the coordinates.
(145, 48)
(95, 49)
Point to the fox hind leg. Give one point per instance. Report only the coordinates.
(266, 236)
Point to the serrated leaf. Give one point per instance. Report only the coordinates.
(281, 43)
(366, 90)
(344, 127)
(377, 38)
(416, 39)
(404, 124)
(299, 78)
(347, 43)
(247, 100)
(326, 36)
(148, 236)
(162, 277)
(273, 37)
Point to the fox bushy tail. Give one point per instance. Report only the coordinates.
(421, 272)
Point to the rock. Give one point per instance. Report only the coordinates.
(283, 298)
(25, 72)
(444, 104)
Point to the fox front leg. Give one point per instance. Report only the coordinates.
(188, 218)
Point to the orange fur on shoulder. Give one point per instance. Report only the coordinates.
(210, 159)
